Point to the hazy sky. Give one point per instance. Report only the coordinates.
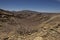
(35, 5)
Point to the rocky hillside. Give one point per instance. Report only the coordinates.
(29, 25)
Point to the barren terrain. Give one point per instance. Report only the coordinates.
(29, 25)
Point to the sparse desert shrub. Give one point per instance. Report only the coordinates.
(6, 38)
(3, 20)
(27, 31)
(0, 25)
(58, 24)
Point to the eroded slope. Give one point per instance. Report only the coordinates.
(29, 26)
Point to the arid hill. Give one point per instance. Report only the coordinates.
(29, 25)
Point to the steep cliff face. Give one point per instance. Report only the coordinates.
(29, 25)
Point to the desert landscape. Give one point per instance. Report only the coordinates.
(29, 25)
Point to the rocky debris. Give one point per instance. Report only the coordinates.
(29, 25)
(38, 38)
